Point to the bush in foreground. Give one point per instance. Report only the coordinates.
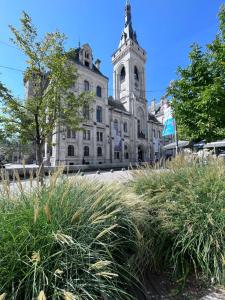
(184, 221)
(68, 241)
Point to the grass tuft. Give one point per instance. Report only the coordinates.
(70, 240)
(184, 221)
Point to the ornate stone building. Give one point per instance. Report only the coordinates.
(119, 129)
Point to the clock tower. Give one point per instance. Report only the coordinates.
(129, 67)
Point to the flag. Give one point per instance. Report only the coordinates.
(168, 121)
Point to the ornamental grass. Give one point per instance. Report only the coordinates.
(70, 240)
(183, 224)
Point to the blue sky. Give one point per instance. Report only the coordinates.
(165, 29)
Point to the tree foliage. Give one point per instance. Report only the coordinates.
(198, 95)
(51, 103)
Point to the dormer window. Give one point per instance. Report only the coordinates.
(87, 64)
(87, 59)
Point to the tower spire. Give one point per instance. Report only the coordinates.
(128, 32)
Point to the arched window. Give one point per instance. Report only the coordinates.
(86, 85)
(86, 151)
(99, 151)
(86, 111)
(122, 74)
(125, 127)
(70, 150)
(99, 91)
(99, 114)
(136, 75)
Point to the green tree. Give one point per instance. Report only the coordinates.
(198, 95)
(50, 76)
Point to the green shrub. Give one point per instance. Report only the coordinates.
(68, 241)
(184, 221)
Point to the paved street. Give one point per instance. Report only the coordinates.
(116, 176)
(107, 177)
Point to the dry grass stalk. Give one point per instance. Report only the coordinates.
(31, 177)
(3, 296)
(53, 180)
(47, 213)
(5, 184)
(100, 265)
(41, 296)
(36, 212)
(107, 275)
(105, 231)
(63, 238)
(70, 296)
(35, 258)
(18, 181)
(65, 193)
(102, 218)
(76, 216)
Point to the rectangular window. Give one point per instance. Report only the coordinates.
(86, 111)
(87, 135)
(73, 134)
(86, 85)
(99, 136)
(68, 133)
(99, 114)
(153, 133)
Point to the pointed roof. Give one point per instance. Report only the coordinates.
(128, 32)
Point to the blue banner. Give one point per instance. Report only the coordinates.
(169, 127)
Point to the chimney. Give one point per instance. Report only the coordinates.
(97, 64)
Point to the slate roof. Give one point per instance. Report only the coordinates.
(116, 104)
(73, 54)
(153, 118)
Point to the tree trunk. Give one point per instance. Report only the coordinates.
(40, 163)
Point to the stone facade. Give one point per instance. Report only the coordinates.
(119, 129)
